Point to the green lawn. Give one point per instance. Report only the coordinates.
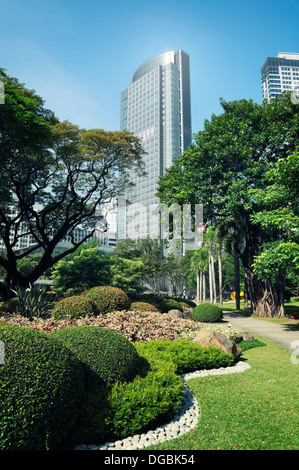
(254, 410)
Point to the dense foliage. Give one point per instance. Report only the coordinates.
(143, 307)
(107, 298)
(185, 355)
(208, 313)
(76, 306)
(55, 175)
(41, 387)
(106, 356)
(230, 158)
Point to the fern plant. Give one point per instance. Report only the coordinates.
(33, 302)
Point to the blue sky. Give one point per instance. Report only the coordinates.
(80, 55)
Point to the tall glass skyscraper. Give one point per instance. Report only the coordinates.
(156, 106)
(279, 74)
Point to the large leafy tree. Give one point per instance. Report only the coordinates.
(53, 178)
(279, 214)
(229, 158)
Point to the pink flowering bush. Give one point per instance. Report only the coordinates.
(135, 325)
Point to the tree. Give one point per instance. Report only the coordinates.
(87, 267)
(199, 264)
(280, 216)
(127, 248)
(171, 269)
(151, 255)
(54, 176)
(127, 275)
(231, 157)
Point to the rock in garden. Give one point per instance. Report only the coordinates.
(176, 313)
(185, 314)
(248, 337)
(207, 338)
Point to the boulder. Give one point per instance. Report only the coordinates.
(248, 336)
(207, 338)
(186, 314)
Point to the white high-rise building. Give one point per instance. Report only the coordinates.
(279, 74)
(156, 106)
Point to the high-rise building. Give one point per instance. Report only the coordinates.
(156, 106)
(279, 74)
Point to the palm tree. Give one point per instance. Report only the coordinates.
(209, 241)
(199, 265)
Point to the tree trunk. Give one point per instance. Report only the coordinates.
(245, 294)
(197, 287)
(213, 278)
(210, 279)
(220, 275)
(266, 300)
(237, 278)
(203, 287)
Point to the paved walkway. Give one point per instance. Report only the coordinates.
(280, 334)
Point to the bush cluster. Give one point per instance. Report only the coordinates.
(76, 306)
(41, 387)
(90, 383)
(207, 313)
(185, 355)
(107, 298)
(106, 356)
(146, 401)
(129, 408)
(143, 307)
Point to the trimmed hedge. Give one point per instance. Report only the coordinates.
(185, 355)
(130, 408)
(207, 313)
(106, 356)
(41, 387)
(108, 298)
(149, 401)
(76, 306)
(143, 307)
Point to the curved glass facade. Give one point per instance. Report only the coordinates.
(156, 106)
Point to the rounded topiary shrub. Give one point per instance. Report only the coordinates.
(41, 388)
(207, 313)
(169, 304)
(106, 355)
(76, 306)
(108, 298)
(143, 307)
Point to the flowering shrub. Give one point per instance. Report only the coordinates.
(134, 325)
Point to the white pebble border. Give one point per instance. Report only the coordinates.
(184, 420)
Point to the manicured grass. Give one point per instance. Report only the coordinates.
(253, 410)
